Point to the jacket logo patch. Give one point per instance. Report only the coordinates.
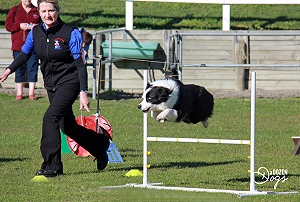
(57, 43)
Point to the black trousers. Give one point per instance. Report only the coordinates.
(59, 115)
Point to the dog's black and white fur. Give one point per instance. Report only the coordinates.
(171, 100)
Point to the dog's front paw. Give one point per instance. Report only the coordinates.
(167, 115)
(160, 119)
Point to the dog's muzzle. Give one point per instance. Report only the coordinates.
(140, 108)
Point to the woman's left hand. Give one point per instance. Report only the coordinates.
(4, 75)
(84, 101)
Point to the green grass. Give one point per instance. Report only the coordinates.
(106, 14)
(174, 164)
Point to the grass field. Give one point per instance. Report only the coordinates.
(174, 164)
(105, 14)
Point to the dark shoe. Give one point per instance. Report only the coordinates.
(102, 161)
(49, 173)
(40, 172)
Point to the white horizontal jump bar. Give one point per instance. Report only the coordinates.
(213, 141)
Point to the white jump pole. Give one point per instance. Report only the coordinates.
(197, 140)
(253, 125)
(145, 144)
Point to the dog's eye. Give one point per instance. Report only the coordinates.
(149, 98)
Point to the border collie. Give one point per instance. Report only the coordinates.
(171, 100)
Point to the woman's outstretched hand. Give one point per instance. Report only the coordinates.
(4, 75)
(84, 101)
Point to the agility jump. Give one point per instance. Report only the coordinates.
(252, 192)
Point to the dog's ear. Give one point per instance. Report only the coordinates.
(148, 86)
(163, 94)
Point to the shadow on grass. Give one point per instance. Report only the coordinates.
(131, 153)
(193, 164)
(164, 166)
(179, 165)
(118, 95)
(5, 160)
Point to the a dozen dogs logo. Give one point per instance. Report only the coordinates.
(171, 100)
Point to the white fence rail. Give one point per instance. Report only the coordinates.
(225, 3)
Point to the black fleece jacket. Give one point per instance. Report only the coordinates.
(57, 63)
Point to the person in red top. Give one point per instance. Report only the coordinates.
(19, 22)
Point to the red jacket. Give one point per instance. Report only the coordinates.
(15, 17)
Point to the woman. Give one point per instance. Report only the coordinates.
(19, 21)
(58, 46)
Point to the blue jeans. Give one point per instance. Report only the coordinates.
(32, 69)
